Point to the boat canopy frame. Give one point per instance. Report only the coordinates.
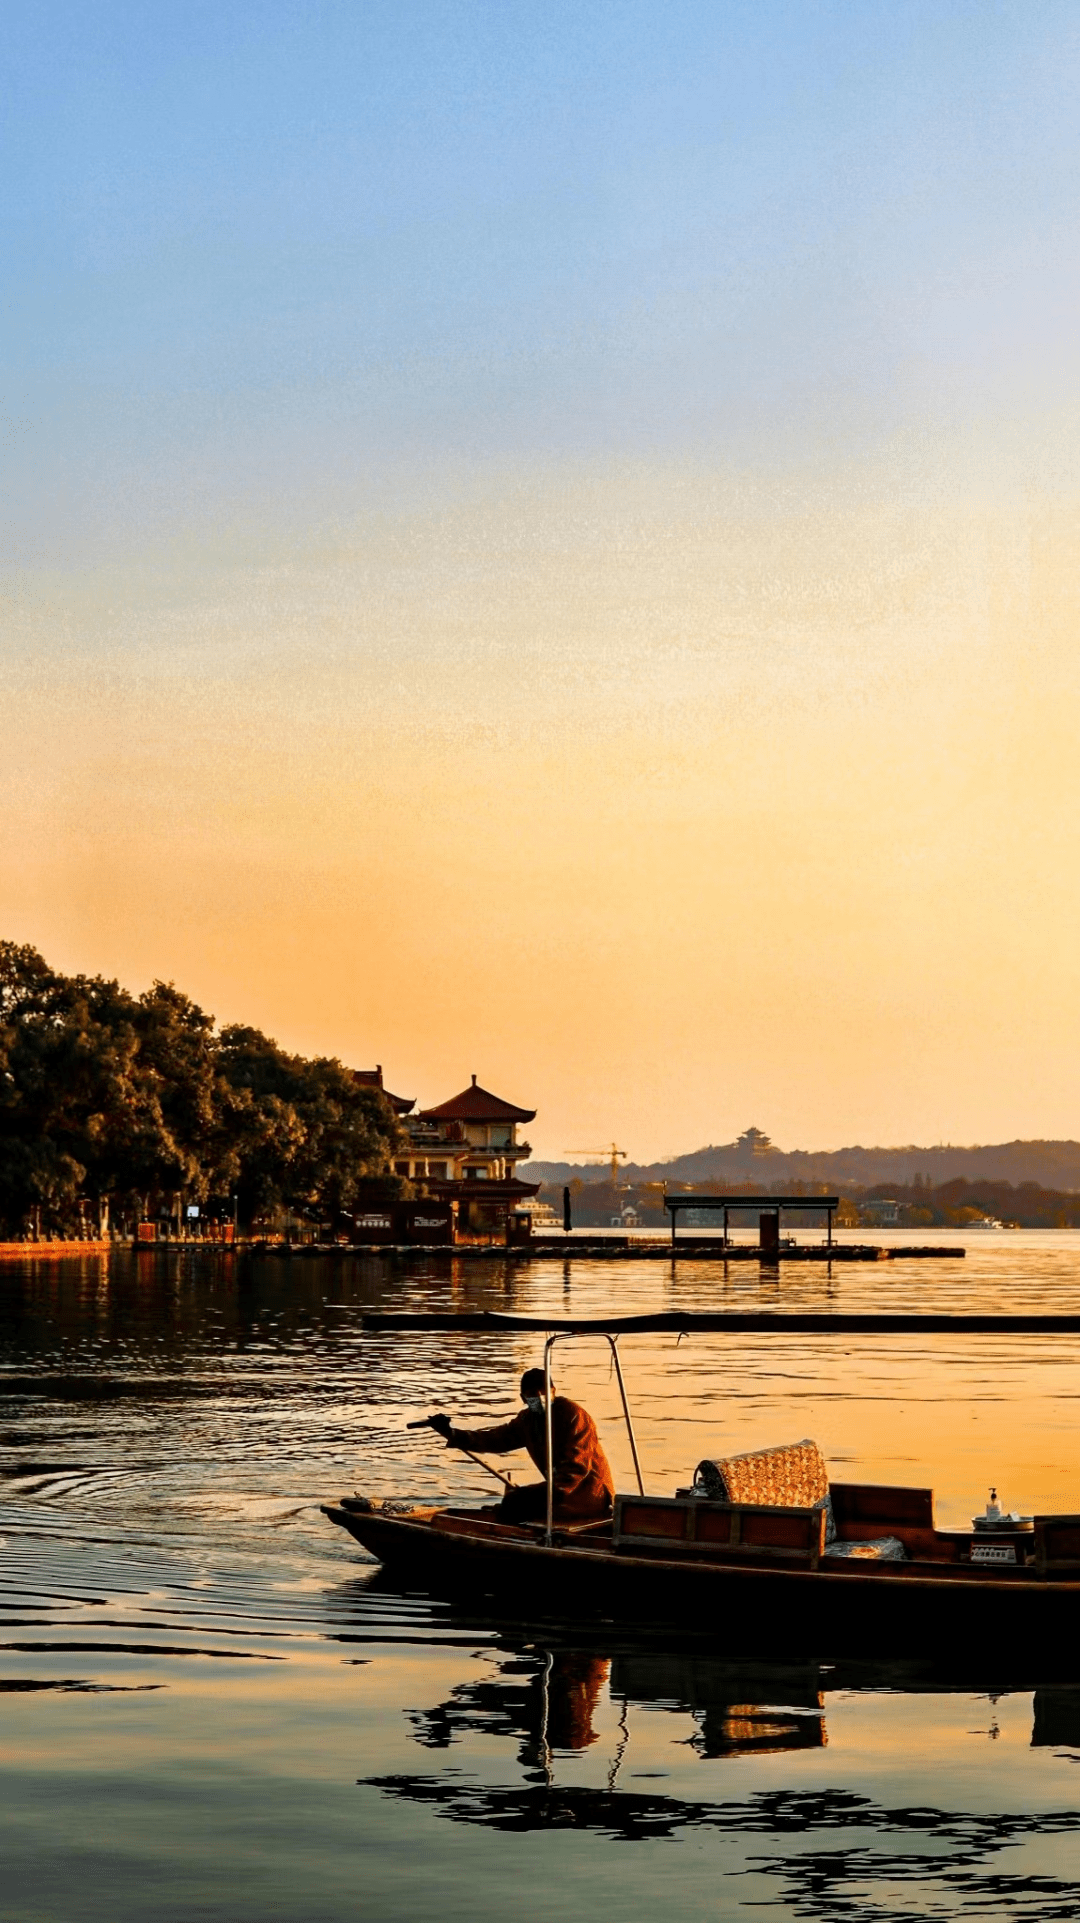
(717, 1322)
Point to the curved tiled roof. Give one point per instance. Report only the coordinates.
(372, 1078)
(477, 1105)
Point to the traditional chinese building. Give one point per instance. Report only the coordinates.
(465, 1152)
(372, 1078)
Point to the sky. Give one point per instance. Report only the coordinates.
(543, 542)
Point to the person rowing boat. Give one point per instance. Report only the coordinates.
(583, 1485)
(758, 1548)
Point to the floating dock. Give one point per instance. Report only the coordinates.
(709, 1248)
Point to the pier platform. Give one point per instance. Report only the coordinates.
(709, 1248)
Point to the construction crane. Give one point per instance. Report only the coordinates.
(612, 1154)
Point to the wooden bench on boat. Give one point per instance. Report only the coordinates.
(779, 1504)
(1057, 1545)
(688, 1524)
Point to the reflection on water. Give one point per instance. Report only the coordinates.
(1057, 1718)
(212, 1707)
(835, 1849)
(548, 1702)
(739, 1710)
(837, 1852)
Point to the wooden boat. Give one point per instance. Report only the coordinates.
(753, 1572)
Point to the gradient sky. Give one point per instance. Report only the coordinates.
(543, 541)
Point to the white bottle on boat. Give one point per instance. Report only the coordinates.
(993, 1518)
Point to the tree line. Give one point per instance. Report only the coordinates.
(954, 1204)
(137, 1105)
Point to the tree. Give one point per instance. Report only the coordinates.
(67, 1081)
(105, 1094)
(308, 1133)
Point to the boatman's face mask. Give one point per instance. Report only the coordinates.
(536, 1404)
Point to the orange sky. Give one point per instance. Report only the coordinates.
(662, 801)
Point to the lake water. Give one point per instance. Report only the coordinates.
(213, 1709)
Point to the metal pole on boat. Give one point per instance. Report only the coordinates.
(550, 1476)
(614, 1341)
(565, 1335)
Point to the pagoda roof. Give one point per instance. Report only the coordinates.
(477, 1104)
(372, 1078)
(511, 1190)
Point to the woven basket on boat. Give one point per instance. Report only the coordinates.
(791, 1477)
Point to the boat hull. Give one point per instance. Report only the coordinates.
(878, 1608)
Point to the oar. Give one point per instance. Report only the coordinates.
(507, 1481)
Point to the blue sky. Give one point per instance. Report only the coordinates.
(323, 238)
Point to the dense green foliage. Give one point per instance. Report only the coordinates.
(141, 1100)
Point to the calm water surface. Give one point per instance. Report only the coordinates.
(213, 1708)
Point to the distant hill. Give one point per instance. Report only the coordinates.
(754, 1162)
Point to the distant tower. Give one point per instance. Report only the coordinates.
(753, 1142)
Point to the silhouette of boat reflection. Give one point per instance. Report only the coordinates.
(828, 1850)
(548, 1700)
(1057, 1718)
(823, 1850)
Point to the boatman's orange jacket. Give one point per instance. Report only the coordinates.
(582, 1480)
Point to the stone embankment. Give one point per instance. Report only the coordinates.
(571, 1247)
(26, 1250)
